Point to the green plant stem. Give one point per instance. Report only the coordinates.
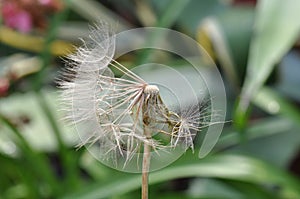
(10, 169)
(66, 158)
(37, 161)
(45, 55)
(70, 169)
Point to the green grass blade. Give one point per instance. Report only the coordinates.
(37, 161)
(276, 28)
(273, 103)
(66, 157)
(169, 16)
(259, 129)
(231, 167)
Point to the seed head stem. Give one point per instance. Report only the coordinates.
(146, 164)
(150, 92)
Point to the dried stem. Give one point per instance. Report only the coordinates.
(151, 93)
(146, 164)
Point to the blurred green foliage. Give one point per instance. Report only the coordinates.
(257, 156)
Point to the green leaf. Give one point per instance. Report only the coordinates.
(276, 28)
(273, 103)
(226, 38)
(214, 188)
(232, 167)
(262, 128)
(167, 19)
(41, 164)
(37, 132)
(94, 11)
(44, 132)
(194, 12)
(278, 149)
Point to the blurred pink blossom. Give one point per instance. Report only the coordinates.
(4, 86)
(24, 15)
(16, 18)
(45, 2)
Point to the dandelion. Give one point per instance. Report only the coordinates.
(125, 116)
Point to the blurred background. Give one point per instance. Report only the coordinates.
(255, 45)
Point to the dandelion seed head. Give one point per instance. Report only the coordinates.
(111, 113)
(151, 89)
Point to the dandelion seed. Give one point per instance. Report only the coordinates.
(122, 119)
(120, 115)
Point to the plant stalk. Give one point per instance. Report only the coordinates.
(151, 97)
(146, 164)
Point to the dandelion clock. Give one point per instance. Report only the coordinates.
(145, 118)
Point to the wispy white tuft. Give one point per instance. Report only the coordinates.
(111, 112)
